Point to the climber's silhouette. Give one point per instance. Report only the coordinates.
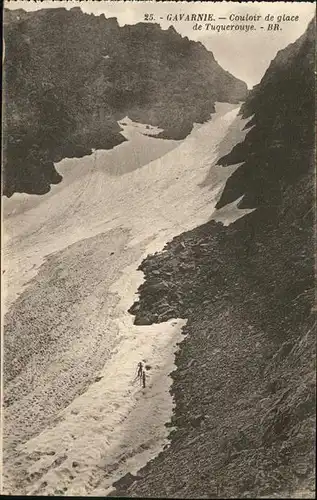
(140, 369)
(139, 372)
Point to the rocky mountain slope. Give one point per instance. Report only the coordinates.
(283, 109)
(70, 76)
(244, 388)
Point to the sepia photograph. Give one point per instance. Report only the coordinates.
(158, 325)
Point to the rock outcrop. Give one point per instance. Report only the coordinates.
(282, 108)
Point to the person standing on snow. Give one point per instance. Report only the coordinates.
(140, 371)
(141, 375)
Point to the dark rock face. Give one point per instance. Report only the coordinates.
(245, 381)
(69, 77)
(282, 127)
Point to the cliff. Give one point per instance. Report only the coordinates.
(244, 388)
(282, 106)
(69, 77)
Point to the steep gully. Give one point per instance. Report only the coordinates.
(75, 422)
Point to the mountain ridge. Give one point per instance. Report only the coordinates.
(70, 76)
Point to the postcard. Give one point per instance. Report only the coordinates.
(158, 200)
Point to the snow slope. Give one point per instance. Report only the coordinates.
(75, 420)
